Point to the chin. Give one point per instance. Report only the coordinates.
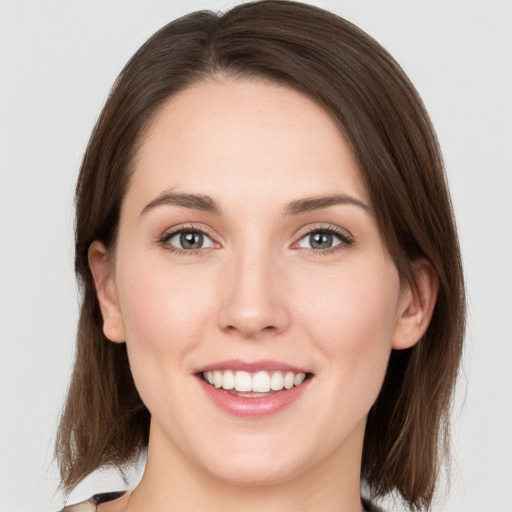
(257, 460)
(256, 472)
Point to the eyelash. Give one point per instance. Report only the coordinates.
(164, 240)
(345, 238)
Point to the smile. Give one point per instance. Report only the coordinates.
(253, 390)
(250, 384)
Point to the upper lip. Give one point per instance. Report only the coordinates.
(251, 366)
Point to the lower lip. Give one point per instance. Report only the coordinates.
(256, 407)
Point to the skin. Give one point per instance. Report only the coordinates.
(253, 291)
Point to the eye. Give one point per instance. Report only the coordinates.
(323, 239)
(189, 240)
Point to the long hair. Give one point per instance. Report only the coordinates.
(358, 83)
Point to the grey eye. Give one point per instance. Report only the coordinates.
(190, 240)
(319, 240)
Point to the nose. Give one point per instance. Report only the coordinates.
(253, 304)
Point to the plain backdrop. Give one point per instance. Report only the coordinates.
(58, 60)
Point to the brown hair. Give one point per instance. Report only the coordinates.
(104, 422)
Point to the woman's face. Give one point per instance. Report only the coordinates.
(248, 248)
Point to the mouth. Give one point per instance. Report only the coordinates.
(253, 389)
(253, 384)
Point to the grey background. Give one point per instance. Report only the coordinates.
(58, 60)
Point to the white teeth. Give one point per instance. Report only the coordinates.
(217, 379)
(229, 380)
(299, 379)
(276, 381)
(288, 380)
(243, 381)
(259, 382)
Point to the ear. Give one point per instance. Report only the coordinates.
(106, 291)
(416, 305)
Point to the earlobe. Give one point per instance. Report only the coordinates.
(416, 306)
(106, 292)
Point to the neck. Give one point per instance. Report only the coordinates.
(172, 481)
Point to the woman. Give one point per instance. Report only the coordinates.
(273, 301)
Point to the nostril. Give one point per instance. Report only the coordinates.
(250, 329)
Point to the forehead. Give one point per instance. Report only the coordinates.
(243, 138)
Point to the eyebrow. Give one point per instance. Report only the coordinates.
(193, 201)
(207, 204)
(308, 204)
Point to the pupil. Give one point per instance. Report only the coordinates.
(191, 240)
(321, 240)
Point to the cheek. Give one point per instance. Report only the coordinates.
(352, 316)
(160, 306)
(164, 315)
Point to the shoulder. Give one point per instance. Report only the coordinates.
(91, 505)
